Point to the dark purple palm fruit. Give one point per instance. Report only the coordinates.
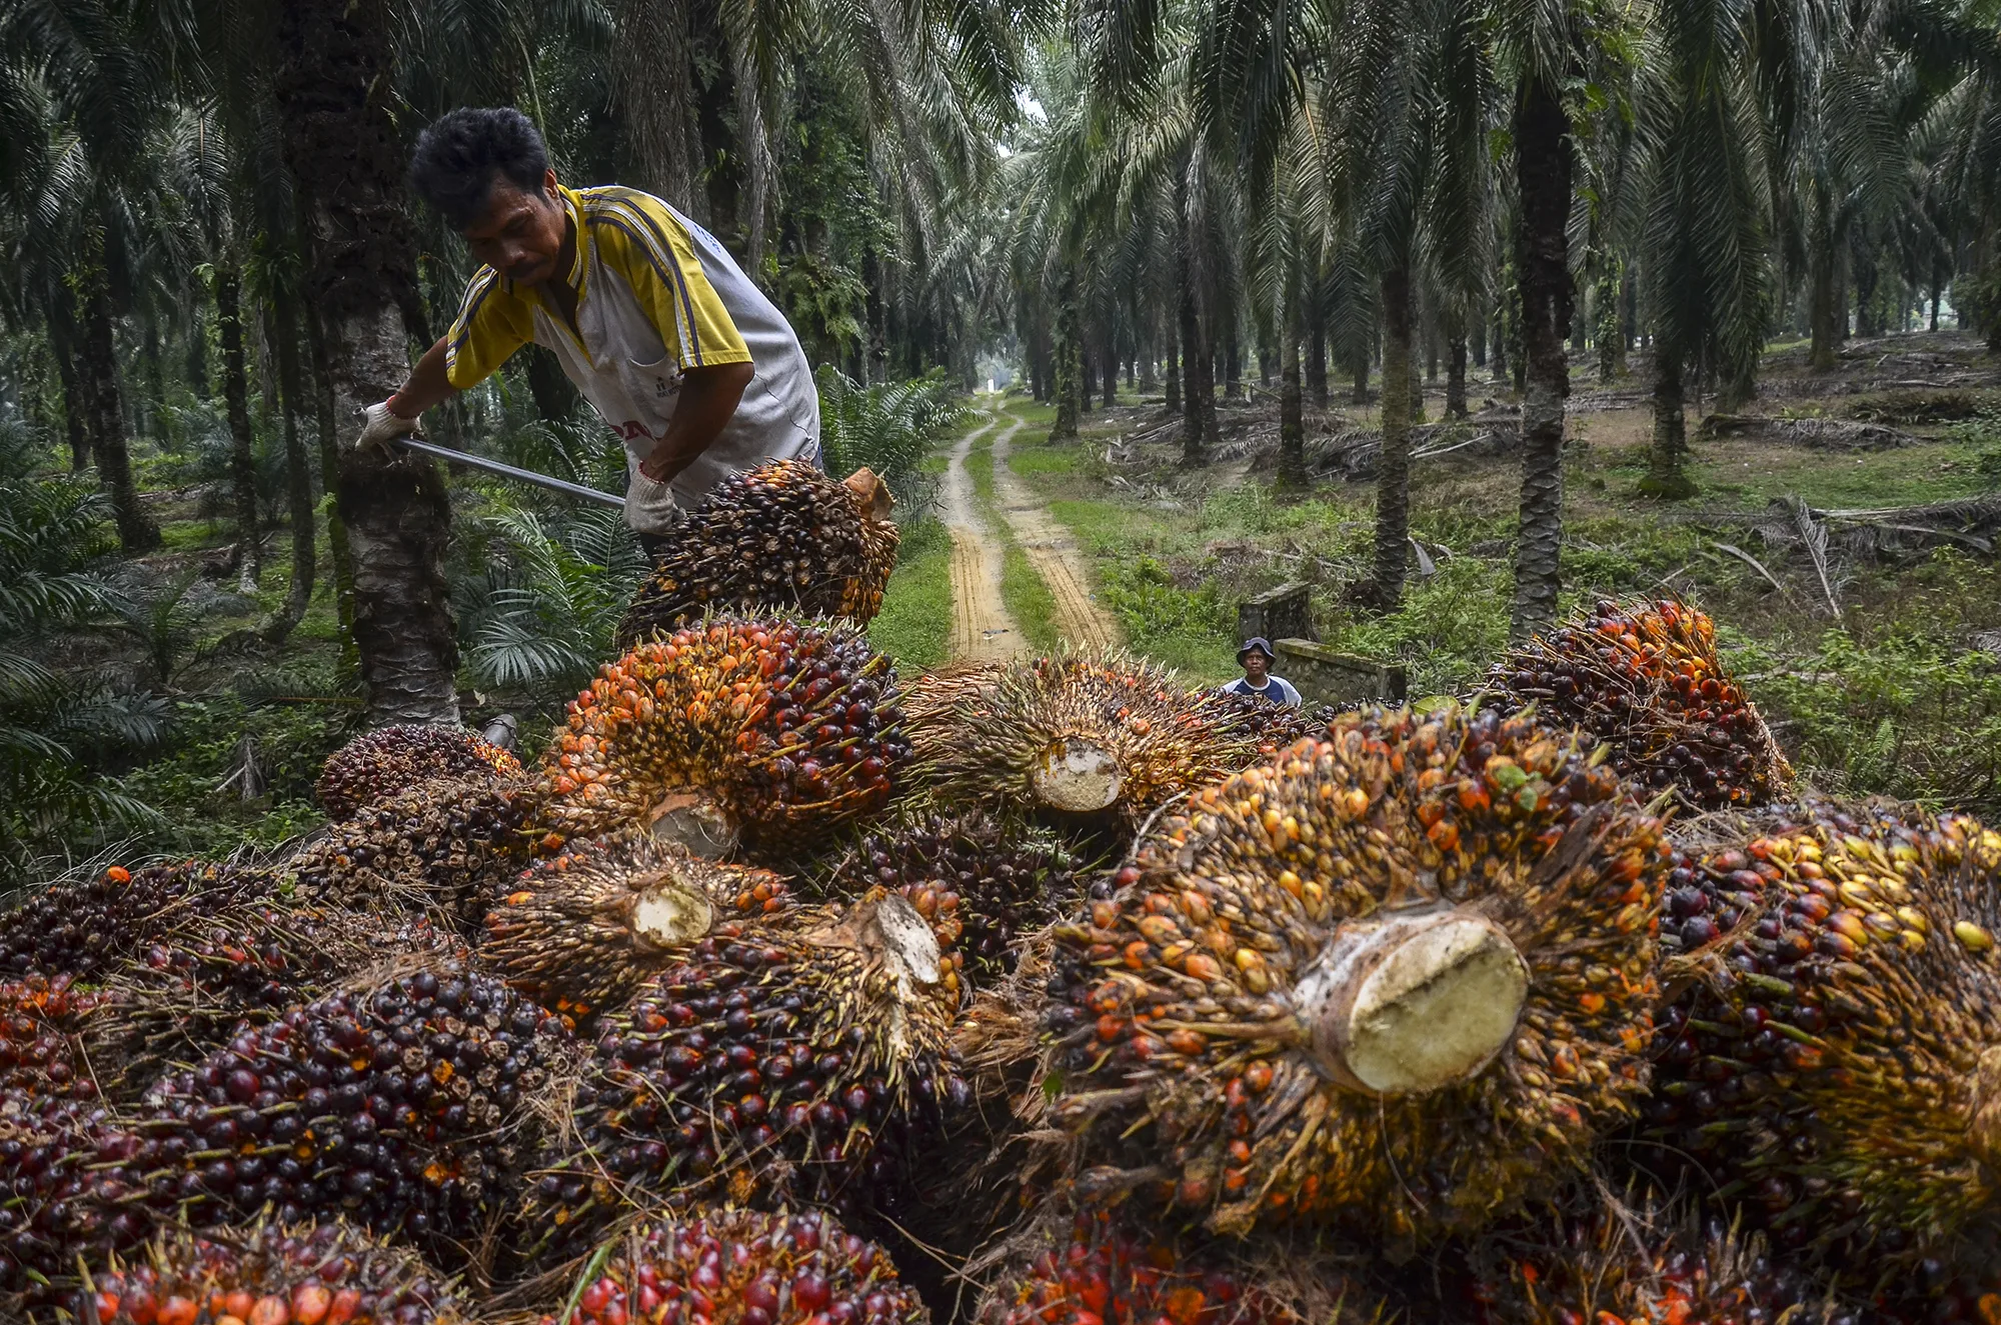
(378, 764)
(84, 927)
(41, 1021)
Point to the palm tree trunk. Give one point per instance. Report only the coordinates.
(76, 407)
(1198, 381)
(1171, 365)
(1292, 474)
(346, 159)
(104, 417)
(1455, 366)
(1068, 361)
(1110, 368)
(1316, 354)
(298, 474)
(650, 68)
(329, 454)
(1543, 170)
(1393, 474)
(1667, 459)
(1825, 313)
(236, 401)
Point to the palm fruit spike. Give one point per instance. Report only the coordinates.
(442, 844)
(40, 1022)
(82, 928)
(1835, 1059)
(1647, 1266)
(1104, 1268)
(983, 883)
(782, 537)
(738, 1267)
(194, 987)
(1645, 679)
(391, 759)
(770, 727)
(584, 930)
(1397, 978)
(1072, 734)
(268, 1275)
(405, 1107)
(1273, 726)
(791, 1056)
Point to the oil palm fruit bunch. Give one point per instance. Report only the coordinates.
(766, 728)
(57, 1203)
(1397, 978)
(1273, 726)
(788, 1058)
(391, 759)
(782, 537)
(1834, 1060)
(441, 845)
(40, 1022)
(404, 1108)
(84, 927)
(983, 882)
(1104, 1267)
(1653, 1265)
(1645, 679)
(265, 1274)
(724, 1265)
(583, 930)
(1072, 734)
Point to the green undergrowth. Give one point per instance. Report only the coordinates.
(915, 624)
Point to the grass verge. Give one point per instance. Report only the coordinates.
(915, 624)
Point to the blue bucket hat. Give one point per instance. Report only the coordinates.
(1259, 643)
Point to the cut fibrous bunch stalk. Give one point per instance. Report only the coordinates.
(581, 931)
(380, 763)
(1071, 734)
(772, 731)
(1398, 978)
(786, 1059)
(982, 880)
(724, 1264)
(1113, 1267)
(1834, 1059)
(84, 927)
(1645, 679)
(442, 846)
(407, 1107)
(324, 1274)
(782, 537)
(200, 983)
(1645, 1263)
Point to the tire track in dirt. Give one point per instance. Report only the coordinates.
(981, 626)
(1053, 553)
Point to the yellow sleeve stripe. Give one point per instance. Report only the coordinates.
(691, 347)
(483, 284)
(707, 331)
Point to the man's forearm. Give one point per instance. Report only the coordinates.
(426, 386)
(708, 401)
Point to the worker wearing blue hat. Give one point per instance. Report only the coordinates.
(1256, 659)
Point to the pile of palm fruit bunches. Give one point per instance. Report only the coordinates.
(786, 990)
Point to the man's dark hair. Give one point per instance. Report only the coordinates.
(458, 156)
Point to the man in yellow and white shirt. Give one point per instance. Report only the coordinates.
(687, 360)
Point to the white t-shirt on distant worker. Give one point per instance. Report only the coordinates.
(1276, 689)
(656, 295)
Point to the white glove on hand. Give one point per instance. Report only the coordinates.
(380, 426)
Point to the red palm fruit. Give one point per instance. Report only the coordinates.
(441, 845)
(407, 1107)
(789, 1057)
(582, 931)
(1645, 679)
(738, 1267)
(1071, 734)
(1654, 1265)
(41, 1022)
(1834, 1060)
(1104, 1267)
(1397, 979)
(387, 760)
(770, 730)
(783, 537)
(84, 927)
(983, 882)
(264, 1274)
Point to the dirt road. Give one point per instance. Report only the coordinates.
(1079, 618)
(981, 627)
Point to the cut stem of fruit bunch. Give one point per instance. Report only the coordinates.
(783, 537)
(768, 732)
(1396, 980)
(1645, 679)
